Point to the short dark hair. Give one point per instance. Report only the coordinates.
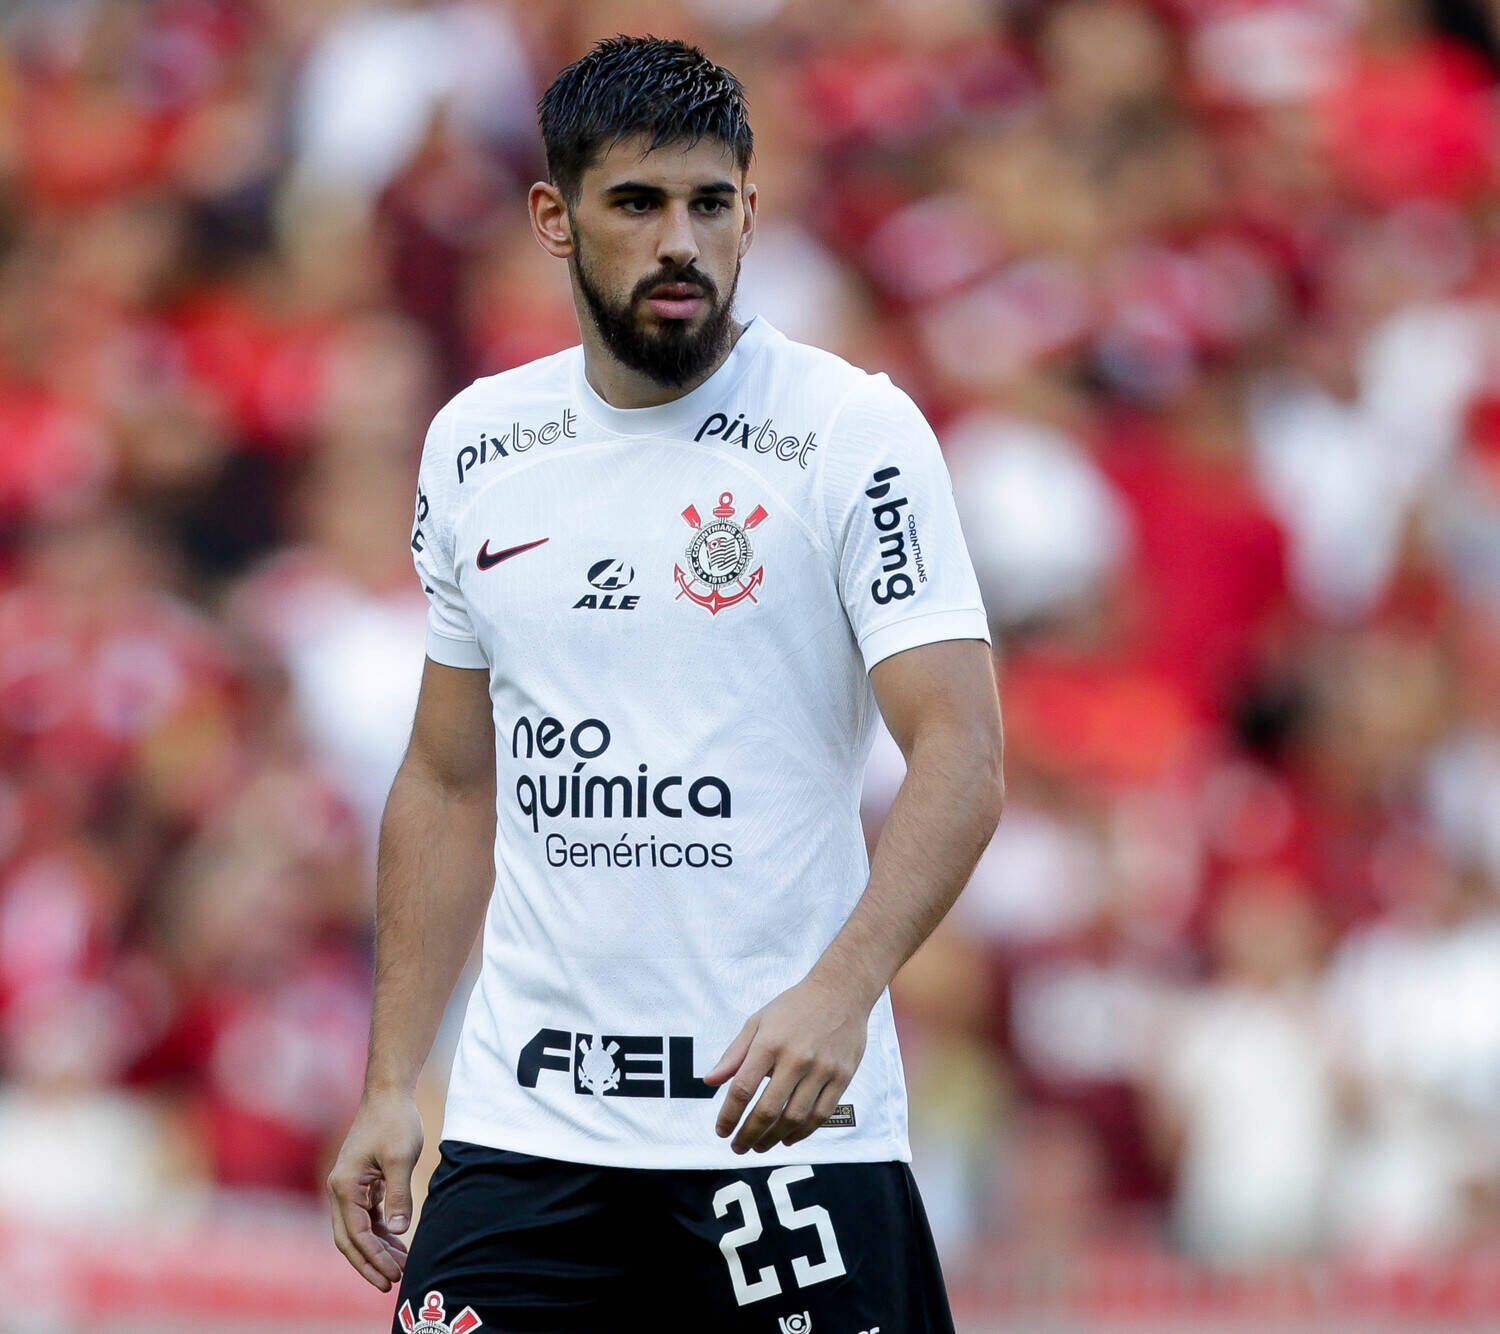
(654, 86)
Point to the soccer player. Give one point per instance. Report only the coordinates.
(672, 573)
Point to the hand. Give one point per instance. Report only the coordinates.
(809, 1041)
(370, 1186)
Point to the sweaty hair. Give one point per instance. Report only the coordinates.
(663, 89)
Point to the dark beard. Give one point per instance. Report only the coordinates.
(671, 354)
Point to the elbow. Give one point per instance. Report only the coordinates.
(991, 788)
(438, 776)
(993, 770)
(984, 764)
(967, 758)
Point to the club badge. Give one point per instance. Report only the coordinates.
(718, 556)
(432, 1318)
(598, 1071)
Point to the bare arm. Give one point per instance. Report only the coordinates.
(435, 870)
(940, 703)
(941, 706)
(433, 880)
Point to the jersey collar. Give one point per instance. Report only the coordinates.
(685, 412)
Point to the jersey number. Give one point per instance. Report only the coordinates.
(767, 1283)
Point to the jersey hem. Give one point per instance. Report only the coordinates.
(454, 652)
(667, 1157)
(930, 627)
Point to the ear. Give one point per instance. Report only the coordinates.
(550, 223)
(747, 229)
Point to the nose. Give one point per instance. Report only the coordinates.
(676, 245)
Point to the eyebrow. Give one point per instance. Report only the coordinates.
(642, 188)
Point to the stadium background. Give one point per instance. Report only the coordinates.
(1203, 299)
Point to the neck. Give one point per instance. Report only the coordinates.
(623, 386)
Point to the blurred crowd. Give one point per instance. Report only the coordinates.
(1203, 299)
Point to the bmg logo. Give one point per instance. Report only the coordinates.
(887, 518)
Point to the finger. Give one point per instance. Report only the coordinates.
(353, 1255)
(733, 1055)
(754, 1068)
(395, 1210)
(767, 1109)
(391, 1242)
(825, 1106)
(796, 1116)
(356, 1220)
(357, 1223)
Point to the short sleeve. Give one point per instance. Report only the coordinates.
(450, 633)
(904, 573)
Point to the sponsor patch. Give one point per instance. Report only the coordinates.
(895, 532)
(517, 439)
(612, 1065)
(761, 439)
(609, 576)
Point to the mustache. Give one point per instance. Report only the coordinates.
(691, 274)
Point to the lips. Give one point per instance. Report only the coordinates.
(675, 301)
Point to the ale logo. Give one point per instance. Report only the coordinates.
(609, 576)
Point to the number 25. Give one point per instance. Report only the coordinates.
(804, 1270)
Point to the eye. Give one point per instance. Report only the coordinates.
(712, 204)
(637, 204)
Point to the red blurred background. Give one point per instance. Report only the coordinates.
(1203, 299)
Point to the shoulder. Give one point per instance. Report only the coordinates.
(851, 410)
(876, 433)
(524, 403)
(800, 369)
(876, 424)
(520, 387)
(853, 397)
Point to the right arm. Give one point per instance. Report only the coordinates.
(433, 880)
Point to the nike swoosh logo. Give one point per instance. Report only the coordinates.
(487, 559)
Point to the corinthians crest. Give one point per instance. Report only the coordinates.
(718, 556)
(432, 1319)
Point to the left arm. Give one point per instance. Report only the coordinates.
(939, 701)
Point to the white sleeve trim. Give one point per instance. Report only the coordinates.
(929, 627)
(454, 652)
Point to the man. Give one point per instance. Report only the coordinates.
(671, 574)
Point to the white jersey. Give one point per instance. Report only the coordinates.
(677, 607)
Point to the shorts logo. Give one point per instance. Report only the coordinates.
(432, 1319)
(718, 555)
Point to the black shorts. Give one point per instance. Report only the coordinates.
(513, 1244)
